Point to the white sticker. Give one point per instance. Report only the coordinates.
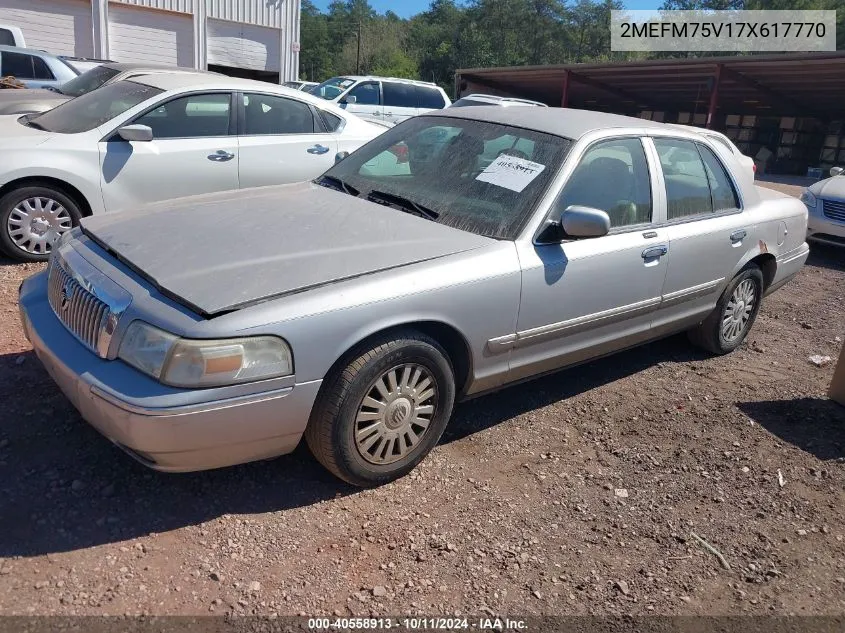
(346, 83)
(511, 172)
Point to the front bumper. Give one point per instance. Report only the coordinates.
(822, 229)
(178, 438)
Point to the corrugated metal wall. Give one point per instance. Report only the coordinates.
(182, 6)
(261, 12)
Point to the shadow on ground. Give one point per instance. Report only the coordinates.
(815, 425)
(826, 256)
(65, 487)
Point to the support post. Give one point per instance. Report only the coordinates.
(564, 99)
(714, 97)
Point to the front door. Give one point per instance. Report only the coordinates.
(708, 232)
(585, 297)
(281, 142)
(193, 151)
(367, 101)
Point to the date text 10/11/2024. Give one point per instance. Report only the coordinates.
(417, 624)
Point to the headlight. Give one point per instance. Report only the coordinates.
(809, 199)
(204, 363)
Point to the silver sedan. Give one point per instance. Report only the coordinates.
(453, 255)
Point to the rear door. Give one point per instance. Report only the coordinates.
(429, 98)
(400, 101)
(281, 141)
(708, 232)
(368, 101)
(193, 151)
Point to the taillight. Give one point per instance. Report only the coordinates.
(754, 168)
(401, 153)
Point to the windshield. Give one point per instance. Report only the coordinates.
(87, 81)
(332, 88)
(95, 108)
(477, 176)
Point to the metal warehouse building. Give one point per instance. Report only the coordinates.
(249, 38)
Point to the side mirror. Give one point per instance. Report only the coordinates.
(350, 100)
(140, 133)
(340, 156)
(837, 171)
(578, 221)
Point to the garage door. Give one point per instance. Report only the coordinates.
(244, 46)
(62, 27)
(144, 35)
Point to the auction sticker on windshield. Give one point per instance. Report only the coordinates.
(511, 172)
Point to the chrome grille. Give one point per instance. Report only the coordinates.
(834, 209)
(79, 310)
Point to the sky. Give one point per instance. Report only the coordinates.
(407, 8)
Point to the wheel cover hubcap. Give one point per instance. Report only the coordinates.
(35, 223)
(738, 310)
(395, 414)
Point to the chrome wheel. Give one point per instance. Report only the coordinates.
(395, 414)
(35, 223)
(738, 311)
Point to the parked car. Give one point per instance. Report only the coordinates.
(494, 100)
(11, 36)
(35, 69)
(156, 137)
(825, 201)
(748, 164)
(356, 309)
(301, 85)
(383, 98)
(29, 100)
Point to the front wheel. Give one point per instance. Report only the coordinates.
(378, 416)
(32, 218)
(729, 323)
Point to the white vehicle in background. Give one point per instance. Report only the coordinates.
(157, 137)
(11, 36)
(383, 98)
(825, 202)
(494, 100)
(746, 161)
(305, 86)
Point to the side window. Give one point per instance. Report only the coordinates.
(429, 98)
(269, 114)
(366, 94)
(612, 176)
(687, 185)
(721, 188)
(190, 117)
(41, 70)
(332, 121)
(6, 38)
(399, 95)
(17, 65)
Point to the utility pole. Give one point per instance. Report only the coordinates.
(358, 61)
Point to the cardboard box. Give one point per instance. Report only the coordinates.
(837, 385)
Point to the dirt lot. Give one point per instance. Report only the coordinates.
(575, 494)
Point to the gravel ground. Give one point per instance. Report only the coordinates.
(574, 494)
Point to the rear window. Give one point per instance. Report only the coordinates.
(429, 98)
(88, 81)
(6, 38)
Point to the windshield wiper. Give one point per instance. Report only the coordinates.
(333, 182)
(404, 204)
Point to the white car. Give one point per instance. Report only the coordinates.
(495, 100)
(158, 137)
(825, 202)
(384, 99)
(746, 161)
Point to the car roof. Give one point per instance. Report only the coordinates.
(567, 122)
(125, 67)
(501, 100)
(416, 82)
(29, 51)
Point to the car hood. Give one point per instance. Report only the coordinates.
(30, 100)
(15, 134)
(830, 188)
(221, 252)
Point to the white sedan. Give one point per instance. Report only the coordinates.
(154, 138)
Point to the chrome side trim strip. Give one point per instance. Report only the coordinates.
(692, 292)
(501, 344)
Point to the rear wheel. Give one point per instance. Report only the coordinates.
(32, 218)
(727, 326)
(382, 413)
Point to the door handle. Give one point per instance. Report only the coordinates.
(318, 149)
(221, 156)
(655, 251)
(738, 236)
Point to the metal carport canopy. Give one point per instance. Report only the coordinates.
(804, 84)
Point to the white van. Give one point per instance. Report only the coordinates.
(11, 36)
(385, 99)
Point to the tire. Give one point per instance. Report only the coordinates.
(351, 392)
(718, 337)
(51, 212)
